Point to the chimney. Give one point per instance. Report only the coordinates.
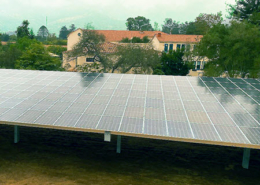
(159, 34)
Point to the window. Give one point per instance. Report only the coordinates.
(178, 46)
(89, 59)
(171, 47)
(166, 47)
(79, 34)
(203, 65)
(194, 46)
(194, 66)
(183, 46)
(188, 47)
(198, 65)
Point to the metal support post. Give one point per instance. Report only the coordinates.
(16, 134)
(107, 136)
(246, 158)
(118, 146)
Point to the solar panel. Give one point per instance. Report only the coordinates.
(221, 111)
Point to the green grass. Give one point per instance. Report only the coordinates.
(46, 156)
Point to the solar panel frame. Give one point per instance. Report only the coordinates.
(156, 107)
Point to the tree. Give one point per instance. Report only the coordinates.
(156, 26)
(23, 30)
(145, 39)
(233, 50)
(43, 32)
(72, 28)
(172, 63)
(11, 52)
(23, 43)
(8, 55)
(63, 32)
(56, 50)
(191, 29)
(205, 21)
(90, 44)
(4, 37)
(245, 10)
(89, 26)
(170, 26)
(36, 57)
(139, 23)
(141, 59)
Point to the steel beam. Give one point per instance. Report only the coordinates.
(16, 134)
(246, 158)
(118, 146)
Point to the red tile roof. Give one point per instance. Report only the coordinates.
(179, 38)
(118, 35)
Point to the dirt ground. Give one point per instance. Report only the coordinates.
(45, 156)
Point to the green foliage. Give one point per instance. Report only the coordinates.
(89, 68)
(158, 72)
(24, 42)
(43, 33)
(89, 26)
(172, 63)
(188, 28)
(56, 50)
(136, 57)
(205, 21)
(36, 57)
(64, 32)
(156, 26)
(245, 10)
(72, 28)
(139, 23)
(126, 40)
(170, 26)
(231, 50)
(4, 37)
(90, 44)
(8, 55)
(23, 30)
(11, 52)
(145, 39)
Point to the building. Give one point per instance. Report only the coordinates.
(160, 41)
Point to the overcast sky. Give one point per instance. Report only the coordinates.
(104, 14)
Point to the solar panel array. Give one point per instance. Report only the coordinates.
(195, 108)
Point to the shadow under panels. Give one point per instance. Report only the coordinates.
(196, 109)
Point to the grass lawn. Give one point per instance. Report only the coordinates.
(45, 156)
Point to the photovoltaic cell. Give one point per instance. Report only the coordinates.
(231, 134)
(179, 129)
(132, 125)
(205, 132)
(204, 109)
(155, 127)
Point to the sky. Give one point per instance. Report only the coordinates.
(103, 14)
